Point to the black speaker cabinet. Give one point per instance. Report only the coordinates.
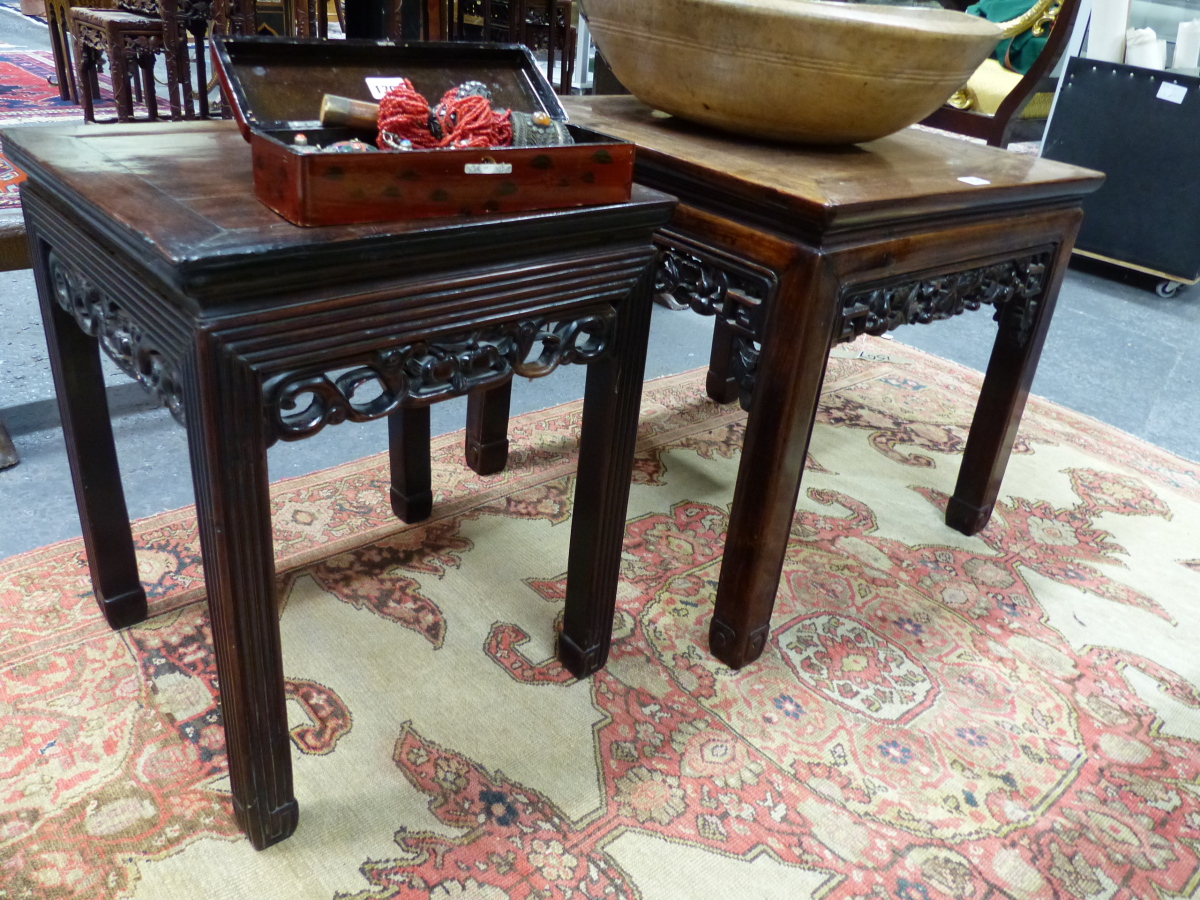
(1142, 129)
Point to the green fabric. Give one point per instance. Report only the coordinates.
(1019, 53)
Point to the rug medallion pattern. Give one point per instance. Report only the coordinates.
(1010, 715)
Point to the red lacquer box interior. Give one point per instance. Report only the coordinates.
(274, 88)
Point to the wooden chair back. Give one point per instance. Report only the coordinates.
(1006, 124)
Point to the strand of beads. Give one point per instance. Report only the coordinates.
(463, 118)
(404, 118)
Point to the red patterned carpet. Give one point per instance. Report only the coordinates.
(27, 97)
(10, 178)
(1011, 715)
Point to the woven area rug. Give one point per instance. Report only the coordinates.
(1010, 715)
(10, 180)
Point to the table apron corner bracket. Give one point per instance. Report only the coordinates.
(121, 338)
(430, 370)
(1013, 287)
(689, 275)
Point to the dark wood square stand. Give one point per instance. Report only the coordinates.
(149, 243)
(794, 249)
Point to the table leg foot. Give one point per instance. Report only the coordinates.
(486, 443)
(412, 508)
(91, 454)
(269, 828)
(1024, 319)
(408, 442)
(966, 517)
(608, 434)
(581, 663)
(721, 389)
(785, 396)
(125, 609)
(734, 649)
(226, 439)
(487, 459)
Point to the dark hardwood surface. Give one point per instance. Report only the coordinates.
(809, 191)
(148, 243)
(794, 249)
(191, 213)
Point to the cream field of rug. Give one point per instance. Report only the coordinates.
(1015, 714)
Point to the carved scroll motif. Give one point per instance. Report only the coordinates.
(737, 293)
(427, 371)
(120, 337)
(1014, 288)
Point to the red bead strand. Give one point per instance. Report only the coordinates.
(404, 114)
(470, 121)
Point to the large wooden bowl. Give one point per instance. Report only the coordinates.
(796, 70)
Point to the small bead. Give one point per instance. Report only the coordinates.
(541, 118)
(301, 139)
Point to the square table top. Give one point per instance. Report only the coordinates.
(180, 196)
(911, 174)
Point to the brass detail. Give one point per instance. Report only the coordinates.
(1032, 18)
(963, 98)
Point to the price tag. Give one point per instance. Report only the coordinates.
(973, 179)
(492, 168)
(1171, 92)
(380, 86)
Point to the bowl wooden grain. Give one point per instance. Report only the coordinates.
(795, 70)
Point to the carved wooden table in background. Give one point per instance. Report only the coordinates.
(148, 242)
(794, 249)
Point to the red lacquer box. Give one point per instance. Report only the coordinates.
(274, 87)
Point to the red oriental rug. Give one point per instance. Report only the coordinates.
(10, 179)
(27, 97)
(1010, 715)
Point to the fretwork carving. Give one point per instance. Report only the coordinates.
(427, 371)
(1014, 288)
(120, 337)
(736, 292)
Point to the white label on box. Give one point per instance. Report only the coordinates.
(1171, 91)
(492, 168)
(380, 86)
(973, 179)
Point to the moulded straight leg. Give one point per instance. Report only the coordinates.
(174, 56)
(146, 63)
(92, 455)
(223, 401)
(1002, 399)
(486, 444)
(721, 386)
(85, 63)
(408, 445)
(611, 401)
(118, 64)
(791, 368)
(201, 74)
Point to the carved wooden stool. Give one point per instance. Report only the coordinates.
(175, 52)
(124, 38)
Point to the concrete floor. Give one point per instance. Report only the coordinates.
(1116, 351)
